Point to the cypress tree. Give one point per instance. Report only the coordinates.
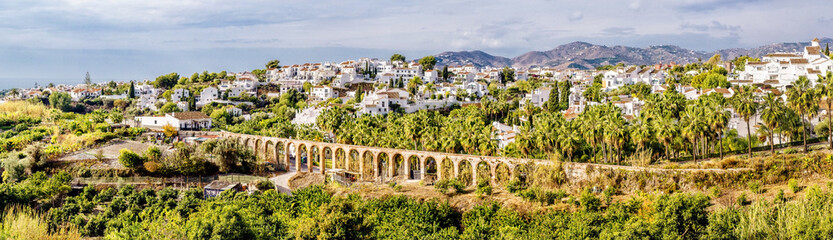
(131, 93)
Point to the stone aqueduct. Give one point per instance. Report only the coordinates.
(384, 165)
(414, 164)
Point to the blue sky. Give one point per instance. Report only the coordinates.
(59, 40)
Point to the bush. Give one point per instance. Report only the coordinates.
(754, 186)
(790, 151)
(514, 185)
(714, 191)
(608, 194)
(483, 188)
(130, 159)
(441, 186)
(779, 197)
(106, 195)
(265, 185)
(589, 202)
(457, 185)
(793, 184)
(741, 200)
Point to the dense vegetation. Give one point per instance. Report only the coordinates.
(314, 213)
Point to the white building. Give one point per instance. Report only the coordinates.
(782, 69)
(180, 94)
(382, 101)
(323, 92)
(179, 120)
(208, 95)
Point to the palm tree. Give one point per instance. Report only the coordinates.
(826, 91)
(691, 122)
(569, 140)
(802, 99)
(665, 129)
(772, 112)
(745, 105)
(718, 119)
(641, 132)
(590, 123)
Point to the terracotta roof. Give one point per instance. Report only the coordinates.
(190, 115)
(772, 82)
(755, 63)
(815, 50)
(781, 55)
(799, 61)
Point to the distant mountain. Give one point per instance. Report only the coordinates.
(477, 58)
(582, 55)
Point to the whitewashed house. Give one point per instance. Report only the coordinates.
(178, 120)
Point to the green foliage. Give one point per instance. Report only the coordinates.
(130, 159)
(754, 186)
(61, 101)
(166, 81)
(793, 185)
(427, 62)
(741, 199)
(397, 57)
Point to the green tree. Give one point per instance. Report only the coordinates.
(826, 91)
(273, 64)
(397, 57)
(745, 105)
(428, 62)
(131, 93)
(804, 101)
(772, 112)
(130, 159)
(87, 79)
(61, 101)
(169, 107)
(166, 81)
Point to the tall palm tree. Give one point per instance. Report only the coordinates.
(665, 129)
(590, 123)
(641, 131)
(772, 112)
(744, 103)
(803, 100)
(569, 140)
(718, 119)
(692, 126)
(826, 91)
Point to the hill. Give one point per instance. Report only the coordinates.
(583, 55)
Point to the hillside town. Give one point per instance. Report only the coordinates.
(377, 87)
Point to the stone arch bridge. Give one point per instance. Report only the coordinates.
(384, 164)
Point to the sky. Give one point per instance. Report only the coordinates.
(59, 40)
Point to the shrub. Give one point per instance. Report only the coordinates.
(265, 185)
(779, 197)
(714, 191)
(754, 186)
(589, 202)
(457, 185)
(441, 186)
(741, 199)
(608, 194)
(397, 188)
(790, 151)
(793, 184)
(392, 184)
(483, 188)
(130, 159)
(514, 185)
(106, 195)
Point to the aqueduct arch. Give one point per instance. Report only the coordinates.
(372, 162)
